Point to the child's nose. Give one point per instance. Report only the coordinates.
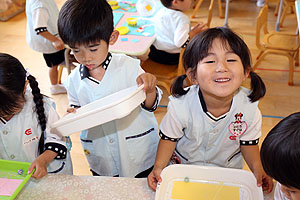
(87, 57)
(222, 67)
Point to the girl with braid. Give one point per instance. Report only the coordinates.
(25, 115)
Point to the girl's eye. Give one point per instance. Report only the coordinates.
(92, 50)
(231, 60)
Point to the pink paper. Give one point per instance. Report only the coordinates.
(8, 186)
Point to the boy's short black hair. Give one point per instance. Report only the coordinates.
(85, 21)
(280, 152)
(166, 3)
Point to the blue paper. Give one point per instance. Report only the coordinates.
(141, 21)
(126, 7)
(117, 17)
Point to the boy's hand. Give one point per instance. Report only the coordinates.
(197, 29)
(154, 178)
(58, 44)
(149, 82)
(264, 181)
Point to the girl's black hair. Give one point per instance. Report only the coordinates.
(280, 151)
(85, 21)
(12, 83)
(199, 48)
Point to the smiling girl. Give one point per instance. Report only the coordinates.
(215, 122)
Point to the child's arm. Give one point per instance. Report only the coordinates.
(197, 29)
(40, 21)
(40, 164)
(252, 158)
(164, 152)
(149, 82)
(57, 42)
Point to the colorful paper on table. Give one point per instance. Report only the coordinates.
(11, 181)
(127, 6)
(196, 190)
(117, 17)
(8, 186)
(149, 27)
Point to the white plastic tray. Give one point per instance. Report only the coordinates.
(244, 180)
(114, 106)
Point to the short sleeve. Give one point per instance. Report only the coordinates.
(251, 136)
(181, 34)
(40, 18)
(171, 125)
(53, 141)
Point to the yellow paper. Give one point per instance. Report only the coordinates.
(203, 191)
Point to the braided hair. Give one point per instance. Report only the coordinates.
(12, 98)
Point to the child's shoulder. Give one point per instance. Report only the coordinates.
(170, 13)
(122, 60)
(241, 98)
(189, 96)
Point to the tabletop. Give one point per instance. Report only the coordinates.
(133, 43)
(70, 187)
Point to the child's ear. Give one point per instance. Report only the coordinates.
(113, 37)
(191, 76)
(246, 74)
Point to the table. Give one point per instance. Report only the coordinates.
(69, 187)
(137, 48)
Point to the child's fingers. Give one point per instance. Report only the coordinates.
(32, 166)
(71, 110)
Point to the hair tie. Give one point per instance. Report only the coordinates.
(27, 73)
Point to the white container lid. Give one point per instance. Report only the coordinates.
(186, 178)
(111, 107)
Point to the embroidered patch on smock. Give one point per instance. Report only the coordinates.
(33, 139)
(238, 127)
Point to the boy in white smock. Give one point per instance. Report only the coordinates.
(41, 36)
(280, 156)
(25, 115)
(123, 147)
(173, 31)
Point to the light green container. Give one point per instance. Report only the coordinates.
(9, 169)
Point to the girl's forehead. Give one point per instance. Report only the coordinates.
(220, 43)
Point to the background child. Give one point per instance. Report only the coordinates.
(216, 120)
(280, 156)
(172, 30)
(41, 36)
(123, 147)
(24, 118)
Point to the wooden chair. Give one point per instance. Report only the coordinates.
(164, 73)
(278, 43)
(210, 10)
(69, 59)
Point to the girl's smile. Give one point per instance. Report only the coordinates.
(221, 72)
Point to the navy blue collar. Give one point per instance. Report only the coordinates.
(84, 71)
